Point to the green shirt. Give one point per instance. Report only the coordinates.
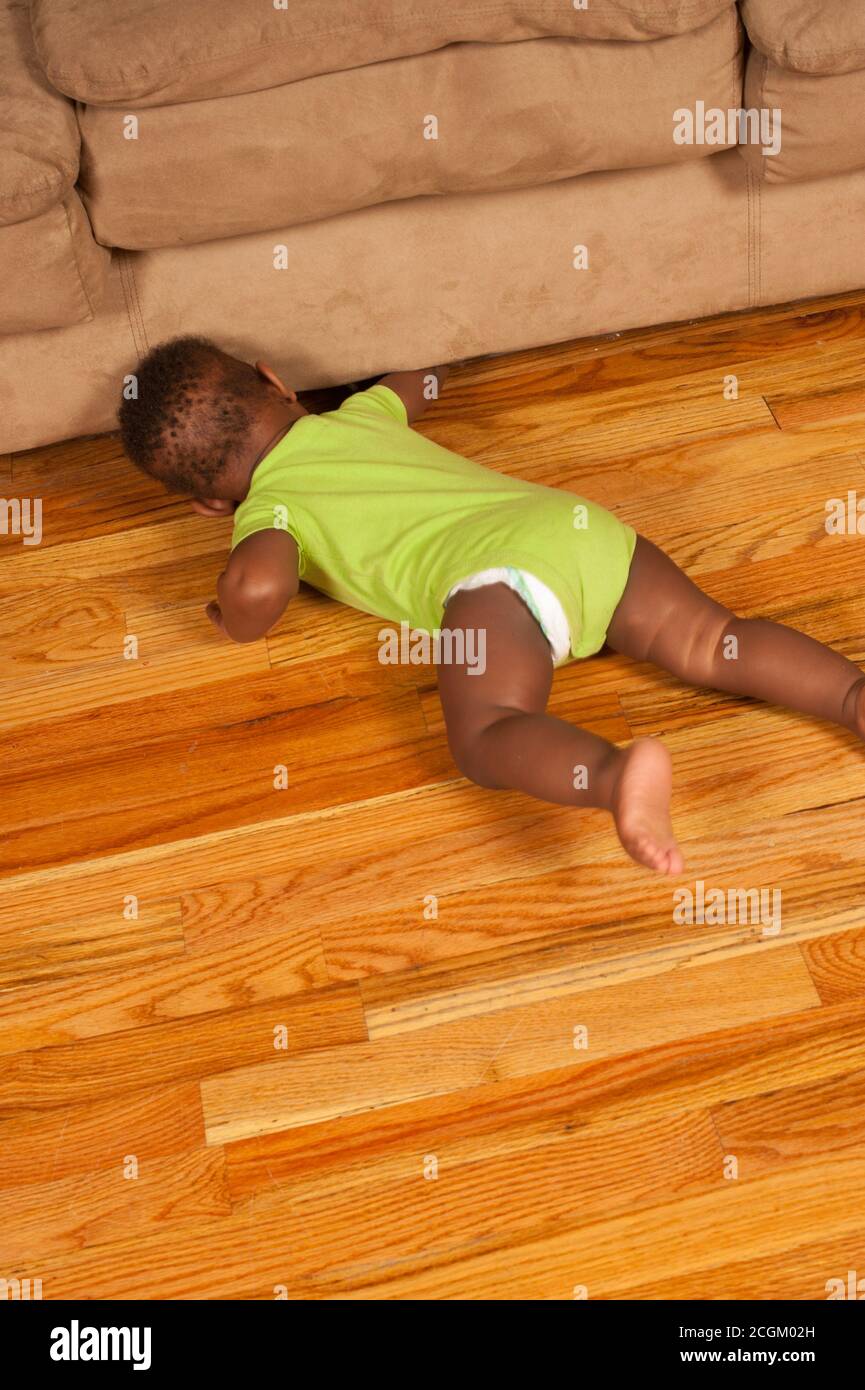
(387, 521)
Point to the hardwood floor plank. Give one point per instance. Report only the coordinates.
(738, 1219)
(43, 634)
(139, 727)
(126, 563)
(503, 1116)
(96, 492)
(342, 847)
(236, 774)
(248, 1254)
(458, 1205)
(94, 1208)
(459, 1211)
(33, 953)
(719, 767)
(113, 1001)
(604, 916)
(642, 421)
(778, 504)
(557, 967)
(805, 1272)
(172, 655)
(50, 1145)
(796, 409)
(837, 965)
(336, 649)
(511, 1042)
(794, 1124)
(642, 355)
(167, 1053)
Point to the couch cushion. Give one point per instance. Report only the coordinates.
(823, 37)
(122, 51)
(53, 271)
(82, 366)
(508, 116)
(38, 131)
(822, 121)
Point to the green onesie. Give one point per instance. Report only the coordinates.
(387, 521)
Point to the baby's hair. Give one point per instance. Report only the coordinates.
(195, 405)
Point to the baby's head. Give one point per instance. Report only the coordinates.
(200, 417)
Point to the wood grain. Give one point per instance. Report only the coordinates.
(332, 1049)
(563, 1030)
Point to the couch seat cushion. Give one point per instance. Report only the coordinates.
(53, 271)
(822, 127)
(500, 116)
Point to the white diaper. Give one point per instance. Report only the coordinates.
(540, 601)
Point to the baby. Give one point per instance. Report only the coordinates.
(363, 508)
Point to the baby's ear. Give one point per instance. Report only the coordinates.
(212, 506)
(266, 371)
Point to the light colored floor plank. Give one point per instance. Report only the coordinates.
(167, 1053)
(511, 1042)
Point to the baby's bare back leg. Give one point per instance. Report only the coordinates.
(663, 617)
(501, 736)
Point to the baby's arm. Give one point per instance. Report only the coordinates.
(413, 388)
(256, 585)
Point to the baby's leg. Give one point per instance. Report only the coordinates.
(501, 737)
(664, 618)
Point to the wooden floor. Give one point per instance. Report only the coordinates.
(381, 1034)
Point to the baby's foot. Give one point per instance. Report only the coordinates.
(641, 807)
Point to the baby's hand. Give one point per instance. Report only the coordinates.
(214, 613)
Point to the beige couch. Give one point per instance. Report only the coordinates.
(365, 185)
